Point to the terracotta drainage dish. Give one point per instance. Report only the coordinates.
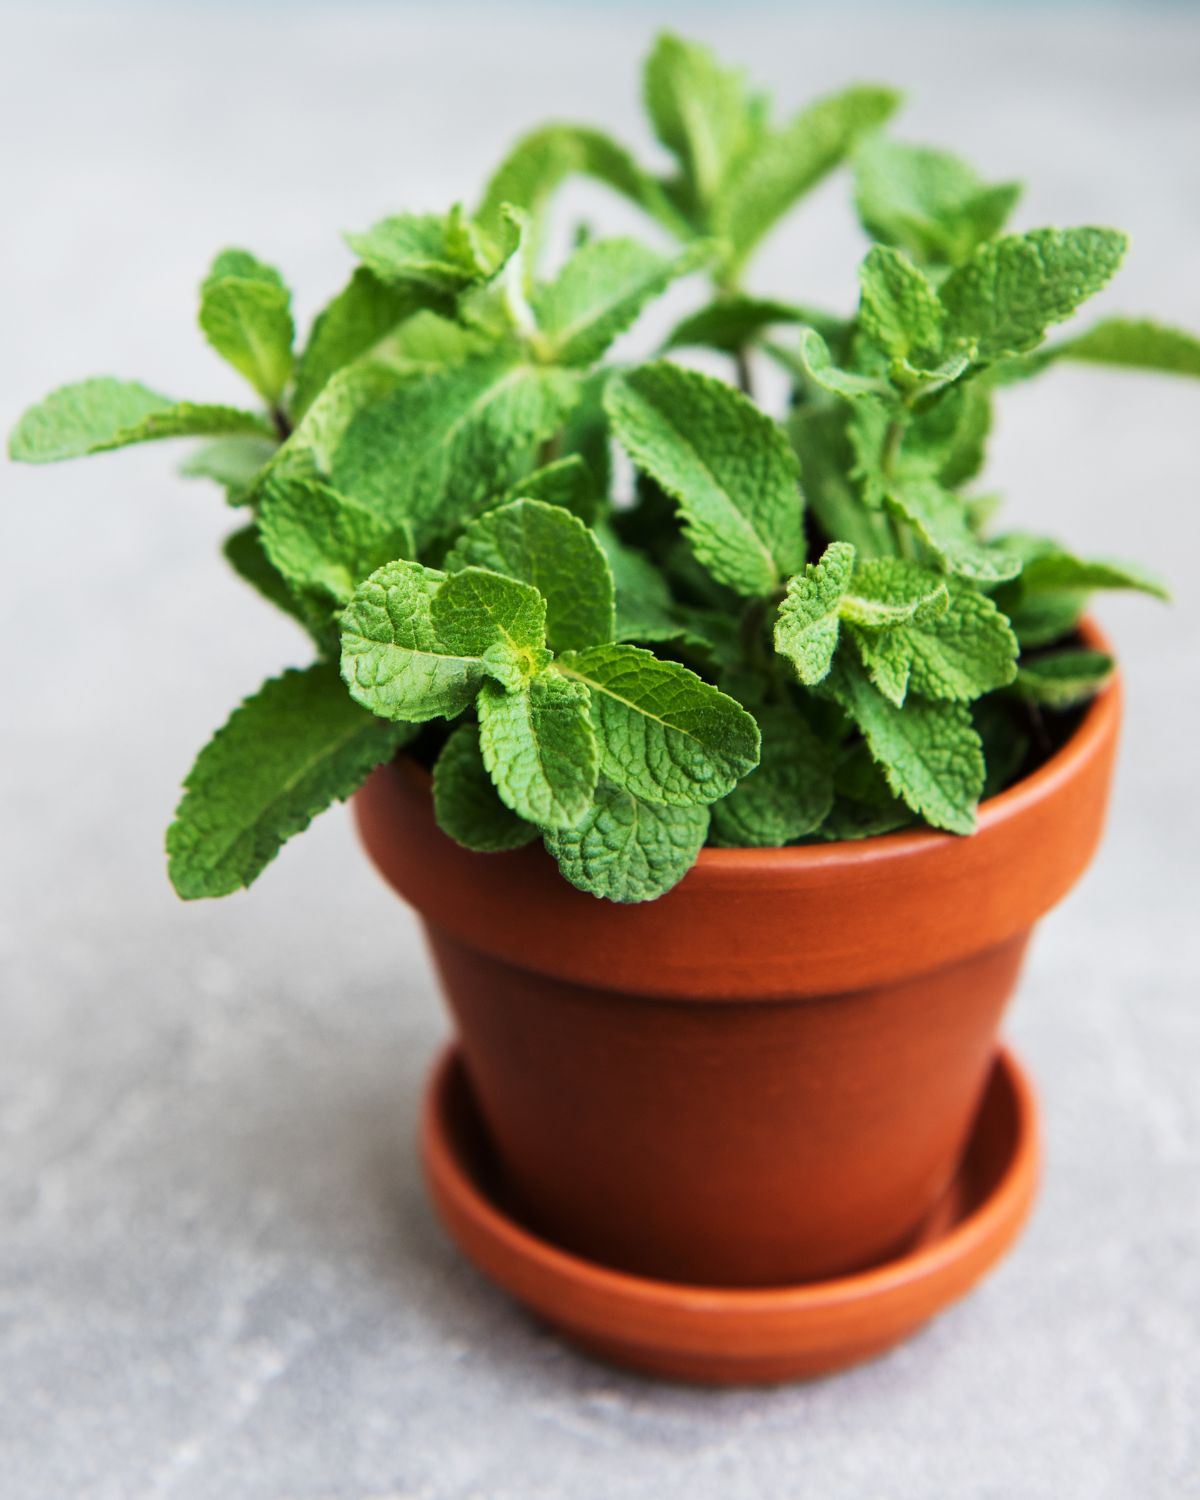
(767, 1078)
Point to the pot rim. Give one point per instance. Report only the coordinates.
(1058, 767)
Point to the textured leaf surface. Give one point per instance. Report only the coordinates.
(540, 749)
(927, 202)
(93, 416)
(434, 448)
(320, 539)
(726, 464)
(466, 803)
(284, 756)
(665, 734)
(941, 521)
(930, 753)
(818, 364)
(808, 626)
(393, 660)
(787, 795)
(1064, 679)
(899, 307)
(1012, 289)
(554, 551)
(890, 591)
(788, 162)
(627, 849)
(700, 113)
(959, 654)
(417, 251)
(599, 292)
(361, 314)
(567, 482)
(246, 315)
(475, 608)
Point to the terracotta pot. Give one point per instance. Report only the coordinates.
(768, 1075)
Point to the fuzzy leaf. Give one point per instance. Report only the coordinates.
(284, 756)
(1064, 679)
(958, 655)
(476, 609)
(899, 307)
(599, 292)
(786, 163)
(320, 539)
(627, 849)
(419, 251)
(886, 592)
(726, 464)
(393, 660)
(930, 753)
(941, 521)
(466, 803)
(348, 327)
(1050, 567)
(787, 795)
(807, 629)
(246, 315)
(433, 449)
(1012, 289)
(818, 364)
(927, 202)
(567, 482)
(94, 416)
(665, 734)
(551, 549)
(540, 749)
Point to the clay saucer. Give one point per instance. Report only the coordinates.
(724, 1335)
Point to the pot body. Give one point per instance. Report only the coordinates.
(768, 1075)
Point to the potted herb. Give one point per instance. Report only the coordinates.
(822, 740)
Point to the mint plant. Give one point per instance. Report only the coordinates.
(798, 626)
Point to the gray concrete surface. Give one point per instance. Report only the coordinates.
(219, 1279)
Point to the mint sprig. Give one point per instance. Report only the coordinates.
(617, 604)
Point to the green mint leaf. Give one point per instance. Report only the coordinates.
(354, 388)
(957, 654)
(426, 252)
(665, 734)
(1041, 619)
(1064, 679)
(927, 202)
(1002, 300)
(598, 294)
(551, 549)
(786, 163)
(465, 801)
(540, 749)
(93, 416)
(808, 626)
(889, 591)
(567, 482)
(1050, 567)
(700, 113)
(540, 162)
(629, 850)
(393, 660)
(645, 608)
(899, 308)
(1006, 742)
(284, 756)
(319, 539)
(475, 610)
(731, 323)
(787, 795)
(819, 434)
(1137, 343)
(819, 366)
(244, 553)
(726, 464)
(947, 437)
(433, 449)
(246, 315)
(942, 522)
(234, 462)
(864, 806)
(929, 752)
(350, 326)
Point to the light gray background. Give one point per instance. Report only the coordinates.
(219, 1278)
